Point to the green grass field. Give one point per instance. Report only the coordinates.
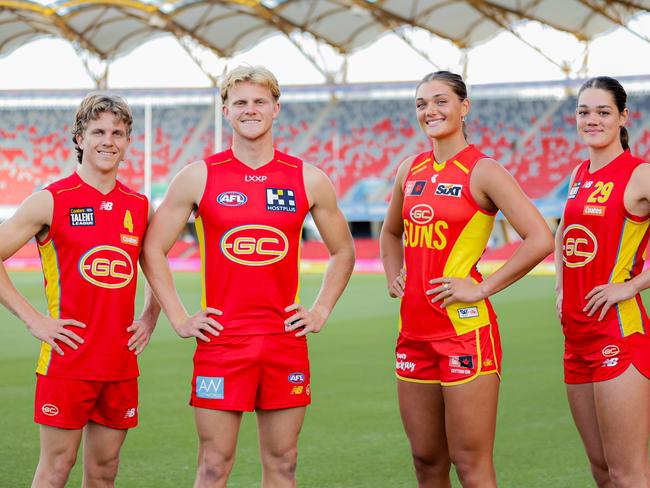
(352, 435)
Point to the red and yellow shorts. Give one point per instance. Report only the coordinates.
(450, 361)
(71, 404)
(605, 358)
(244, 373)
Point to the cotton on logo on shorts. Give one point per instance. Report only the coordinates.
(50, 410)
(130, 413)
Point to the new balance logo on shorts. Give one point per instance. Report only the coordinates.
(130, 413)
(209, 387)
(280, 200)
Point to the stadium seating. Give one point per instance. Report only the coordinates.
(358, 143)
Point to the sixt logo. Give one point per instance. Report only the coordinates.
(296, 378)
(449, 190)
(254, 245)
(232, 199)
(107, 267)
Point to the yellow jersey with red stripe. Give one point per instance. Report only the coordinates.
(90, 265)
(249, 224)
(445, 234)
(602, 243)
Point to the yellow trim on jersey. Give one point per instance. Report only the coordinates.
(68, 189)
(132, 194)
(220, 162)
(629, 313)
(420, 164)
(462, 168)
(297, 297)
(198, 224)
(467, 249)
(437, 167)
(50, 264)
(288, 164)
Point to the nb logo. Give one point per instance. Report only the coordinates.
(255, 178)
(106, 206)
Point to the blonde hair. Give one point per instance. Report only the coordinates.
(252, 74)
(92, 107)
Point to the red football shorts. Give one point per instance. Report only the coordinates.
(605, 358)
(70, 404)
(451, 361)
(244, 373)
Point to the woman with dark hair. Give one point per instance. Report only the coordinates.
(448, 351)
(600, 251)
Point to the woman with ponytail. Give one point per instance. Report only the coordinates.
(448, 351)
(600, 252)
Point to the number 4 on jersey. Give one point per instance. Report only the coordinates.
(128, 221)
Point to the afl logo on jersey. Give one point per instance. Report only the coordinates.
(254, 245)
(421, 214)
(579, 246)
(107, 267)
(232, 198)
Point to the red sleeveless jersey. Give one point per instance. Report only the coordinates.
(602, 243)
(90, 265)
(249, 224)
(445, 234)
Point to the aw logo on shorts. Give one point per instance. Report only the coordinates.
(107, 267)
(579, 246)
(209, 387)
(254, 245)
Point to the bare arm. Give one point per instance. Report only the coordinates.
(143, 327)
(336, 235)
(493, 187)
(390, 239)
(183, 195)
(32, 218)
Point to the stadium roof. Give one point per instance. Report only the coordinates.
(107, 29)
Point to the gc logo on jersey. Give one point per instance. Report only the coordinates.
(580, 246)
(254, 245)
(107, 267)
(280, 200)
(421, 214)
(232, 198)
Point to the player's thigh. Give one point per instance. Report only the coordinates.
(56, 442)
(623, 409)
(279, 429)
(217, 431)
(470, 414)
(423, 415)
(102, 444)
(583, 409)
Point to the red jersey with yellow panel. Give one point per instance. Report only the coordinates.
(602, 243)
(445, 234)
(90, 259)
(249, 224)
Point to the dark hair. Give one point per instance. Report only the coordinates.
(612, 86)
(92, 107)
(454, 81)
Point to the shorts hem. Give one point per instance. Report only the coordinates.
(59, 425)
(228, 408)
(417, 380)
(283, 406)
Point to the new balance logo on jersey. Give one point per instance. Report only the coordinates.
(280, 200)
(130, 413)
(209, 387)
(108, 206)
(449, 190)
(82, 217)
(255, 178)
